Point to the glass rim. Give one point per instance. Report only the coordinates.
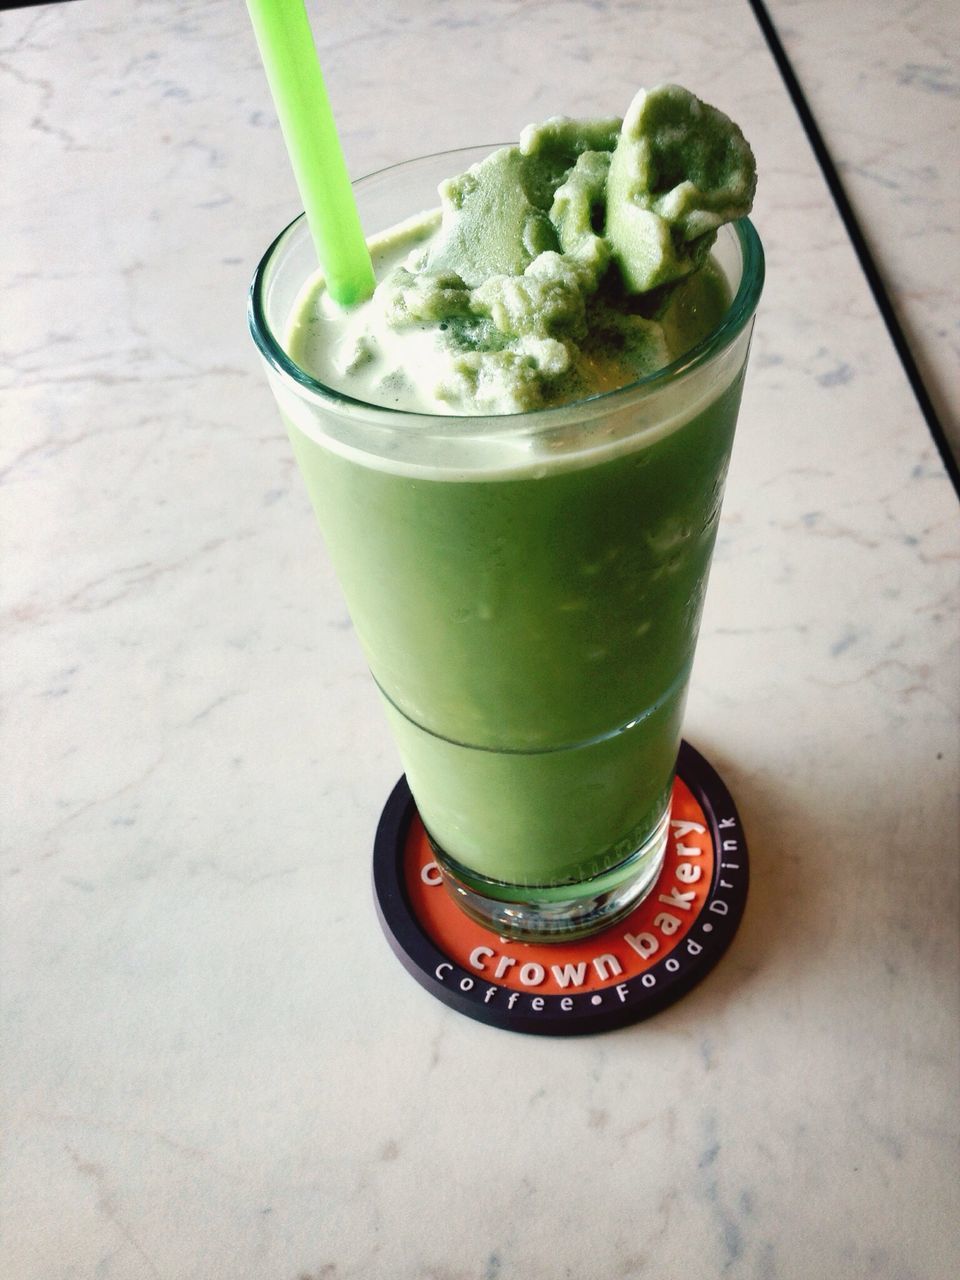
(736, 317)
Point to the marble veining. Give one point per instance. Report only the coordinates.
(212, 1064)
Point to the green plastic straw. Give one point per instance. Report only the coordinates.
(296, 82)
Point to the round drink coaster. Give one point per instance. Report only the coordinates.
(632, 969)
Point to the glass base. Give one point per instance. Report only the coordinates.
(557, 913)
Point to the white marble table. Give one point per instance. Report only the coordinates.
(212, 1065)
(883, 82)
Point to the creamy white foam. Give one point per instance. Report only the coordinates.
(430, 441)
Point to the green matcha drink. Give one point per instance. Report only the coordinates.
(516, 452)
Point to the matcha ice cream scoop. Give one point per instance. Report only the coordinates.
(572, 263)
(680, 170)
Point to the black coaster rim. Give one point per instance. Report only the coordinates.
(644, 997)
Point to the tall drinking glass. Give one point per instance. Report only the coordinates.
(527, 589)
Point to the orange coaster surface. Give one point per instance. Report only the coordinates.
(625, 973)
